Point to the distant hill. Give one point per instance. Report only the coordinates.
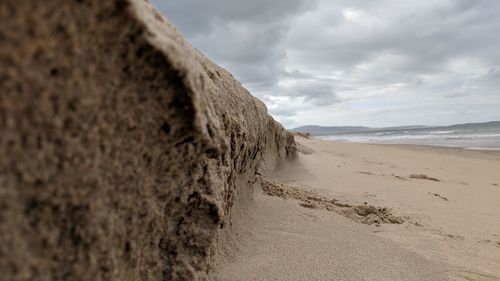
(321, 130)
(472, 125)
(316, 130)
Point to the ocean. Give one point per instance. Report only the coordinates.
(483, 136)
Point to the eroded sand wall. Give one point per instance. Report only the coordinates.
(120, 145)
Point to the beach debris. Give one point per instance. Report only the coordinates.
(422, 177)
(383, 175)
(365, 213)
(308, 205)
(438, 195)
(398, 177)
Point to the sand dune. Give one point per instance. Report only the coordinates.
(447, 199)
(123, 149)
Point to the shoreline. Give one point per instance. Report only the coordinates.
(471, 147)
(486, 143)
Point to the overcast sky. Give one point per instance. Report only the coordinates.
(355, 62)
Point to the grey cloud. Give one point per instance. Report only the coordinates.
(323, 58)
(243, 36)
(282, 112)
(196, 16)
(316, 93)
(427, 36)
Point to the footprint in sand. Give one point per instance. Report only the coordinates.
(488, 241)
(311, 216)
(454, 236)
(470, 275)
(367, 194)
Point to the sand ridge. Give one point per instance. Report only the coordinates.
(123, 150)
(365, 213)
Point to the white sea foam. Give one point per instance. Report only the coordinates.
(472, 139)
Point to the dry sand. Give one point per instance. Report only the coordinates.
(373, 212)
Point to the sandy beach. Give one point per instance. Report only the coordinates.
(135, 146)
(346, 211)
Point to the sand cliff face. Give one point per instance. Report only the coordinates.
(122, 149)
